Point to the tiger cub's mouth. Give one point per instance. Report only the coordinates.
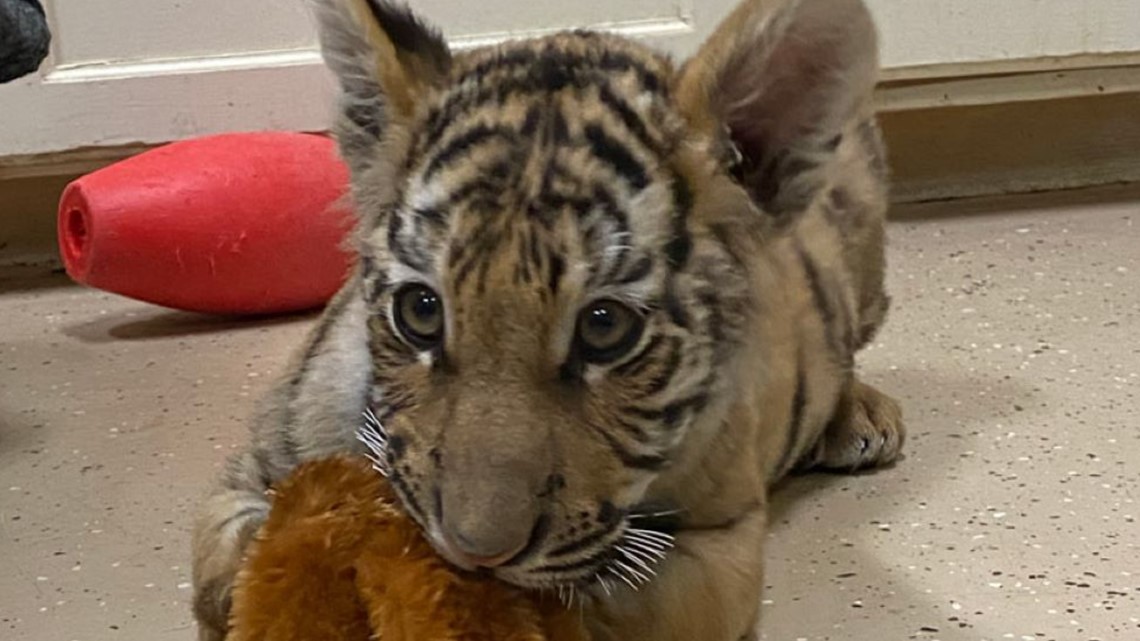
(626, 552)
(629, 556)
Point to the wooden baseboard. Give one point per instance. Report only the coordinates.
(937, 153)
(27, 219)
(1017, 147)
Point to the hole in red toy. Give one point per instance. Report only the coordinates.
(76, 233)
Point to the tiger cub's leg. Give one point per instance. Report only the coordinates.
(866, 431)
(708, 589)
(225, 524)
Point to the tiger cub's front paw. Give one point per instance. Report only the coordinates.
(867, 432)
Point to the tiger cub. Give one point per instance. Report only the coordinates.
(602, 303)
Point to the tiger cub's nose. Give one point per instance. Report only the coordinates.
(459, 552)
(488, 536)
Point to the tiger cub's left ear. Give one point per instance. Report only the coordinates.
(386, 61)
(784, 77)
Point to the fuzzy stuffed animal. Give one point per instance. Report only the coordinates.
(338, 560)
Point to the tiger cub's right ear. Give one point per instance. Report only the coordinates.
(385, 59)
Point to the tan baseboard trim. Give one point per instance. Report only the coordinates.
(997, 88)
(75, 161)
(937, 153)
(27, 219)
(1011, 66)
(1017, 147)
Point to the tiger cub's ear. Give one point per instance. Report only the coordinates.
(385, 60)
(784, 77)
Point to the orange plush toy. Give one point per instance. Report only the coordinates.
(338, 560)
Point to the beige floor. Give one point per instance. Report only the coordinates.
(1012, 344)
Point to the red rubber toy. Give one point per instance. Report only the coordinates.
(244, 223)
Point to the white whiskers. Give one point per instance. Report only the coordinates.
(567, 594)
(374, 437)
(635, 556)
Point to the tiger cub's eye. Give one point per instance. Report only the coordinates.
(607, 330)
(419, 316)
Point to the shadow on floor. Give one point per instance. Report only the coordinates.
(157, 323)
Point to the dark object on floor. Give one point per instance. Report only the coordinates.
(24, 38)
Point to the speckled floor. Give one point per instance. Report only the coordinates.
(1012, 345)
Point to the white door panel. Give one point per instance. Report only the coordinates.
(514, 16)
(124, 72)
(950, 33)
(96, 32)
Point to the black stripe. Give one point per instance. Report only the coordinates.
(432, 215)
(397, 446)
(668, 369)
(672, 413)
(615, 154)
(681, 245)
(847, 326)
(605, 209)
(571, 370)
(316, 345)
(479, 189)
(525, 59)
(486, 237)
(522, 263)
(376, 285)
(634, 431)
(365, 112)
(777, 175)
(641, 268)
(620, 232)
(408, 497)
(527, 267)
(825, 306)
(549, 201)
(595, 57)
(456, 253)
(531, 122)
(724, 233)
(408, 34)
(795, 426)
(468, 266)
(629, 118)
(819, 295)
(461, 144)
(672, 305)
(550, 75)
(530, 71)
(481, 279)
(317, 341)
(556, 268)
(714, 318)
(535, 253)
(603, 200)
(582, 564)
(261, 460)
(616, 61)
(649, 462)
(872, 140)
(405, 254)
(574, 547)
(638, 362)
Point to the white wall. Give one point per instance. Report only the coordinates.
(147, 71)
(918, 33)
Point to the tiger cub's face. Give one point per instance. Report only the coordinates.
(550, 245)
